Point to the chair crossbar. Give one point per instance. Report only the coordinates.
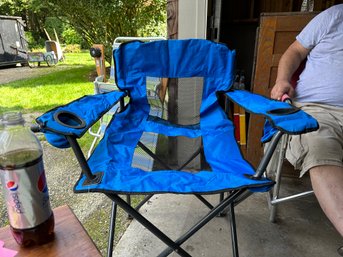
(147, 224)
(275, 200)
(210, 215)
(175, 246)
(141, 203)
(155, 157)
(195, 154)
(202, 199)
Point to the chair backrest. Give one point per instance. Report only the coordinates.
(209, 62)
(174, 59)
(136, 61)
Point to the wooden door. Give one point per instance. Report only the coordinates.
(276, 32)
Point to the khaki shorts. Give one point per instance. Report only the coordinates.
(321, 147)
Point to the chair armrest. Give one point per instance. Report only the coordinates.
(74, 118)
(280, 115)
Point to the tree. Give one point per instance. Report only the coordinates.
(96, 21)
(32, 12)
(101, 21)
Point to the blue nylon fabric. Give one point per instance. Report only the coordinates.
(57, 140)
(155, 124)
(89, 108)
(268, 131)
(166, 59)
(293, 123)
(173, 59)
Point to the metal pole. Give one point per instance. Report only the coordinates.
(233, 231)
(291, 197)
(80, 157)
(204, 201)
(154, 156)
(268, 155)
(112, 229)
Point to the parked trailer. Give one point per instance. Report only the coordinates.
(13, 45)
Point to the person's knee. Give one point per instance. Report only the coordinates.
(317, 171)
(325, 172)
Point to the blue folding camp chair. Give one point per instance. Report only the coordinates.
(220, 166)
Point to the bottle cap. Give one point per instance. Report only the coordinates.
(12, 118)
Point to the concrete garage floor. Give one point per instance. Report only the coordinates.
(301, 229)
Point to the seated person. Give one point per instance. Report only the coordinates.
(319, 92)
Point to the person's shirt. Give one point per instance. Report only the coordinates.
(322, 79)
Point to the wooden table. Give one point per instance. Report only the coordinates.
(71, 239)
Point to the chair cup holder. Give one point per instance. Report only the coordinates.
(283, 111)
(69, 119)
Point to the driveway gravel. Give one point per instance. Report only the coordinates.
(18, 73)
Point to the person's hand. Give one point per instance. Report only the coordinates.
(280, 88)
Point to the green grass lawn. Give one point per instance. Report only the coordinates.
(59, 85)
(54, 86)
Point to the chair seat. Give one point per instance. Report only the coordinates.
(138, 181)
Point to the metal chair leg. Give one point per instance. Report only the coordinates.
(112, 229)
(274, 193)
(128, 200)
(147, 224)
(213, 213)
(233, 231)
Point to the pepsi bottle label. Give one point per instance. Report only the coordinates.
(26, 194)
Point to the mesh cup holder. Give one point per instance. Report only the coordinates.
(69, 119)
(283, 111)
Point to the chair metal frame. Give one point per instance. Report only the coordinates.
(274, 198)
(274, 195)
(228, 203)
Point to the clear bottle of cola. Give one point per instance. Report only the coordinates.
(23, 182)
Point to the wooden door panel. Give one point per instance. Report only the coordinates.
(277, 31)
(282, 41)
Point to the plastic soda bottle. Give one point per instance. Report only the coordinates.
(23, 181)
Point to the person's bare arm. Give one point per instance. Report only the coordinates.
(288, 64)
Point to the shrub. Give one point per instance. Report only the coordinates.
(72, 48)
(53, 24)
(70, 36)
(32, 43)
